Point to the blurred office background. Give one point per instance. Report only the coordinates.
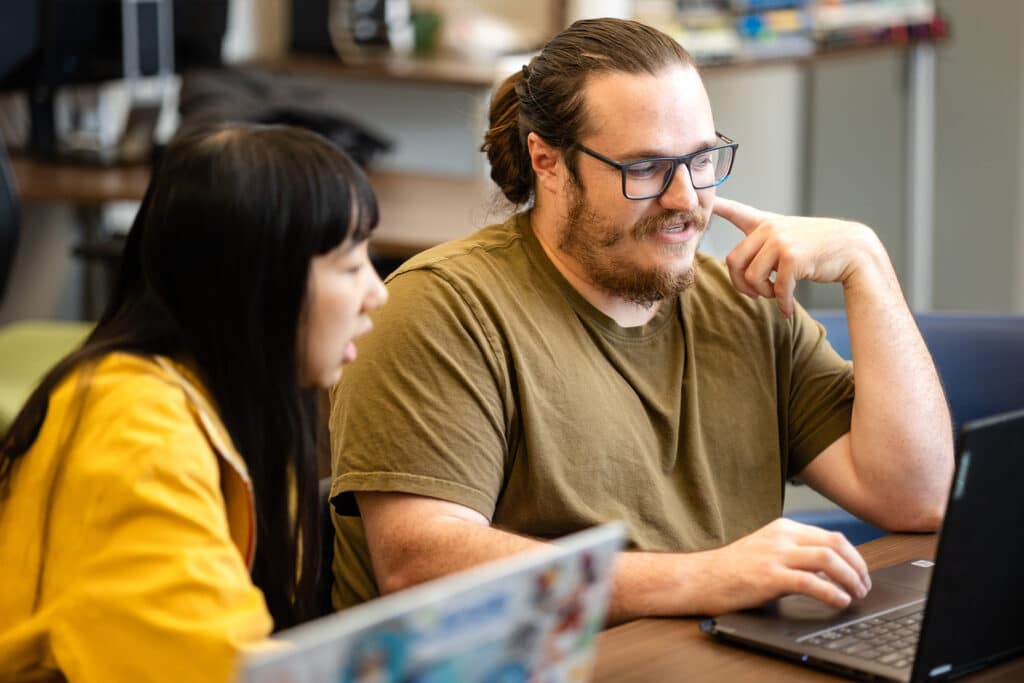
(832, 135)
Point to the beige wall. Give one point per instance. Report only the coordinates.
(1018, 299)
(979, 174)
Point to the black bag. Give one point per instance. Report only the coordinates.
(218, 96)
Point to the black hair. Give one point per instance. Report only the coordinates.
(214, 274)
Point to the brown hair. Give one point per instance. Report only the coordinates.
(546, 97)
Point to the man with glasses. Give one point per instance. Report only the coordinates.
(582, 363)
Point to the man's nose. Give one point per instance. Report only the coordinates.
(680, 195)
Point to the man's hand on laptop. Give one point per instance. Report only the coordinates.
(783, 558)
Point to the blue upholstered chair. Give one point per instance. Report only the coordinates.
(979, 356)
(980, 359)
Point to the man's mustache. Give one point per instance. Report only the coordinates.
(655, 224)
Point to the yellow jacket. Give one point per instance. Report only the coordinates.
(125, 556)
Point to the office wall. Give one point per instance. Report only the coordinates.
(45, 281)
(1019, 256)
(857, 155)
(762, 108)
(979, 217)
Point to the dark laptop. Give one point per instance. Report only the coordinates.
(924, 621)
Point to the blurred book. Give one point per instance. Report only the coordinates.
(765, 5)
(784, 31)
(722, 31)
(871, 22)
(707, 30)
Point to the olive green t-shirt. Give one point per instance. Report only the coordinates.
(490, 382)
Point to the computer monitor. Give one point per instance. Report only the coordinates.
(18, 38)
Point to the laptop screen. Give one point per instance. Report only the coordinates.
(976, 599)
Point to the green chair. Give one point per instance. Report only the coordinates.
(27, 348)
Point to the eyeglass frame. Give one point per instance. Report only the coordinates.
(677, 161)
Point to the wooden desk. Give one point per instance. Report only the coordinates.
(416, 211)
(651, 650)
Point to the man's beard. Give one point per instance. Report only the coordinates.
(587, 237)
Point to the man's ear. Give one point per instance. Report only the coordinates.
(548, 164)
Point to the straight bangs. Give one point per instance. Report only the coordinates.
(343, 206)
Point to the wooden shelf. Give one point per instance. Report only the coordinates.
(80, 184)
(416, 211)
(443, 71)
(453, 71)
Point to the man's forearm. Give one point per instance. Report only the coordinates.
(901, 428)
(644, 584)
(896, 463)
(414, 539)
(661, 585)
(442, 547)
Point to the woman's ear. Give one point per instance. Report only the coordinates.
(548, 164)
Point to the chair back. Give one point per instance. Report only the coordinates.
(977, 355)
(325, 577)
(977, 358)
(10, 220)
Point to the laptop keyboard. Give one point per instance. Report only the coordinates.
(889, 639)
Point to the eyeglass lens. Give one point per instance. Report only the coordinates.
(648, 178)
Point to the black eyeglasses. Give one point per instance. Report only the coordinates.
(649, 178)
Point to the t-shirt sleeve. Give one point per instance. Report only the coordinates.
(424, 408)
(159, 570)
(820, 398)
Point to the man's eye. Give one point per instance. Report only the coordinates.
(702, 161)
(644, 169)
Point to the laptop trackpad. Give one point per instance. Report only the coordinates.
(802, 614)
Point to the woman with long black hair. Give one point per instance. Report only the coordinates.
(158, 491)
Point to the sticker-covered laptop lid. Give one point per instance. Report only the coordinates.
(533, 616)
